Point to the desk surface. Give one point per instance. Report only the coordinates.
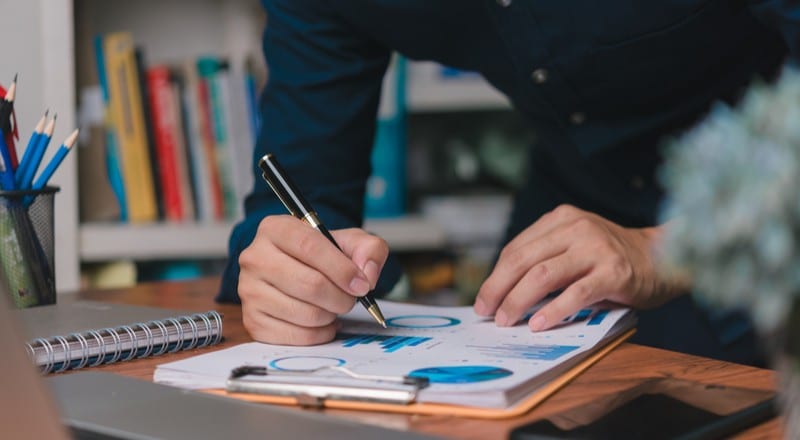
(624, 368)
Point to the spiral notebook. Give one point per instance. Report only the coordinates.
(75, 334)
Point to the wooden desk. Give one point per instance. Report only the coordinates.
(624, 368)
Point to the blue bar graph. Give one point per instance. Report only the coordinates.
(580, 316)
(531, 352)
(598, 317)
(388, 343)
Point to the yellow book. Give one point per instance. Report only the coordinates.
(127, 116)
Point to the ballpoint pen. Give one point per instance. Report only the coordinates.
(297, 205)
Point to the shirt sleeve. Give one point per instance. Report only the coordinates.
(318, 113)
(784, 16)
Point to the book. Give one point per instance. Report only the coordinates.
(214, 78)
(469, 362)
(73, 334)
(208, 142)
(130, 132)
(112, 154)
(199, 170)
(166, 133)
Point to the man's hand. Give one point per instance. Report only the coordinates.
(589, 257)
(294, 282)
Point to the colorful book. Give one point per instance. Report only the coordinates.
(214, 78)
(112, 154)
(204, 188)
(127, 115)
(166, 136)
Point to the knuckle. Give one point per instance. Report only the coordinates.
(584, 225)
(269, 223)
(563, 211)
(583, 293)
(307, 244)
(247, 258)
(620, 268)
(514, 259)
(376, 242)
(314, 281)
(541, 273)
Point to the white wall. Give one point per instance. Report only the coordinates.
(37, 43)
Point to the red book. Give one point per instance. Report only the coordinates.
(166, 131)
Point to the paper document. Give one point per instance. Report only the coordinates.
(467, 358)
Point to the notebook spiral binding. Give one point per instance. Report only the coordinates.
(109, 345)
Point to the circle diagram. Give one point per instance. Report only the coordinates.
(305, 363)
(461, 374)
(422, 321)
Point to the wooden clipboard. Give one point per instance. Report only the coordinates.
(520, 408)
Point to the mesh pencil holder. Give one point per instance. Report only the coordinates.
(27, 246)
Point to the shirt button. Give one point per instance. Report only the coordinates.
(504, 3)
(577, 118)
(539, 76)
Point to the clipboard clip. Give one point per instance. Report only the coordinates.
(310, 389)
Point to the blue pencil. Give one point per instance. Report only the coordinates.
(30, 151)
(38, 153)
(51, 167)
(6, 172)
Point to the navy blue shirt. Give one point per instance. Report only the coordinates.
(602, 84)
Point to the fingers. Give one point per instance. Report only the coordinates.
(302, 242)
(294, 282)
(368, 252)
(525, 261)
(577, 296)
(271, 316)
(545, 277)
(266, 328)
(589, 257)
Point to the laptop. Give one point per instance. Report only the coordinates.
(100, 405)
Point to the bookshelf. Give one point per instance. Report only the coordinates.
(53, 32)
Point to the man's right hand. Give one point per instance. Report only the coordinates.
(294, 282)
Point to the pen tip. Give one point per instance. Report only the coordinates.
(15, 77)
(376, 313)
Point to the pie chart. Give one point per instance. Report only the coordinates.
(461, 374)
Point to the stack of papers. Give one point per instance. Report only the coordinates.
(468, 360)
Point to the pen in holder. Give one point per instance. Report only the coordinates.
(27, 246)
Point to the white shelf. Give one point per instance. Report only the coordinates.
(110, 241)
(106, 241)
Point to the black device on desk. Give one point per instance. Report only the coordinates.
(653, 417)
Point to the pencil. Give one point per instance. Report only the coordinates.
(29, 152)
(35, 158)
(51, 167)
(297, 205)
(6, 111)
(6, 172)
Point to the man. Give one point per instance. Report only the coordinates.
(601, 83)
